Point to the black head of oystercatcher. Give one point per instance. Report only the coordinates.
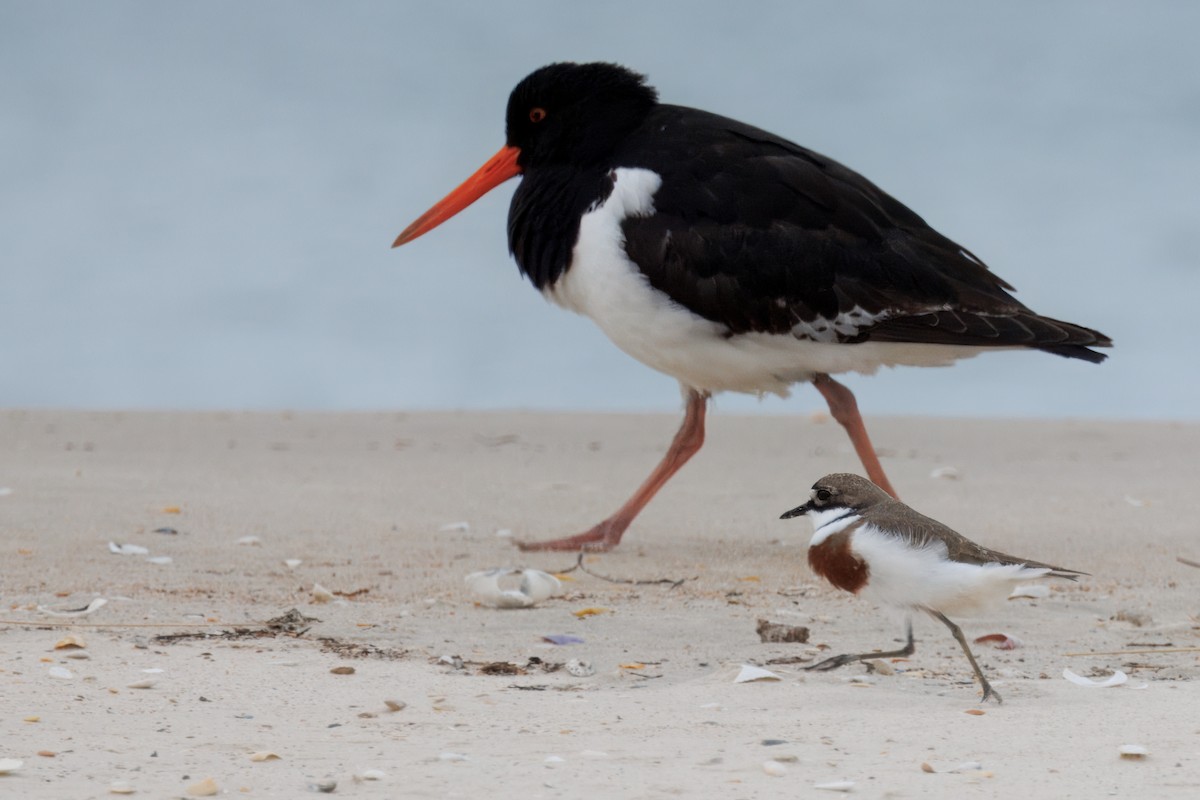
(865, 541)
(730, 258)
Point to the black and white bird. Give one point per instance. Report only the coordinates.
(867, 542)
(730, 258)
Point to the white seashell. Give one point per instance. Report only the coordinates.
(250, 540)
(451, 757)
(61, 672)
(554, 761)
(371, 775)
(455, 526)
(159, 560)
(580, 669)
(320, 594)
(128, 549)
(835, 786)
(292, 563)
(8, 765)
(1030, 590)
(120, 787)
(534, 587)
(1116, 679)
(62, 610)
(946, 473)
(752, 673)
(1133, 751)
(504, 533)
(774, 768)
(264, 755)
(144, 683)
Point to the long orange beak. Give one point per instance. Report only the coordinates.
(496, 171)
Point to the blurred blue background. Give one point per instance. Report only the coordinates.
(197, 200)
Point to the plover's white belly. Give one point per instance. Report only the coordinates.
(908, 577)
(606, 286)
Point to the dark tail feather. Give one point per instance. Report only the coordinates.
(1074, 351)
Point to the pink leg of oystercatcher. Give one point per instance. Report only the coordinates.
(607, 534)
(844, 409)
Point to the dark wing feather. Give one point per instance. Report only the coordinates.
(760, 234)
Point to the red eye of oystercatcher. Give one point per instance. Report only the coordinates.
(731, 259)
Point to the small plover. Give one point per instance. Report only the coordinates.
(865, 541)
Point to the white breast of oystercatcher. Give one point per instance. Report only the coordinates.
(604, 284)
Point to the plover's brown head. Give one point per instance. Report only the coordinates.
(840, 490)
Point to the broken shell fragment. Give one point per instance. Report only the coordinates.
(60, 672)
(320, 594)
(120, 787)
(8, 765)
(69, 643)
(64, 610)
(128, 549)
(264, 755)
(774, 768)
(1133, 752)
(835, 786)
(395, 705)
(144, 683)
(533, 587)
(1001, 641)
(1116, 679)
(749, 673)
(371, 775)
(580, 669)
(205, 788)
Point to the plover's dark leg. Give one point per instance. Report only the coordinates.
(847, 658)
(844, 409)
(606, 534)
(988, 691)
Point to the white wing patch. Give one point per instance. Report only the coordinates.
(847, 323)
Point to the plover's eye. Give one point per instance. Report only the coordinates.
(537, 114)
(823, 495)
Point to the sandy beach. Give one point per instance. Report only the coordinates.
(391, 511)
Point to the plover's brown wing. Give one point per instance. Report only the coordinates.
(919, 530)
